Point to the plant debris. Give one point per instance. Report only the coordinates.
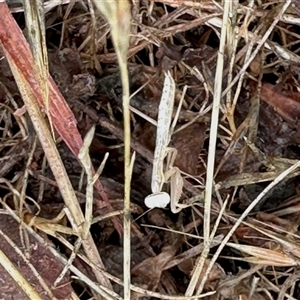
(241, 238)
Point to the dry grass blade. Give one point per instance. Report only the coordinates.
(248, 210)
(28, 87)
(100, 289)
(34, 266)
(211, 158)
(35, 25)
(265, 256)
(51, 227)
(288, 245)
(237, 102)
(118, 15)
(87, 164)
(260, 44)
(62, 117)
(21, 281)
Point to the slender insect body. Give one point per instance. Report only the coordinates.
(162, 134)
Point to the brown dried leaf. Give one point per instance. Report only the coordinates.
(189, 143)
(169, 50)
(203, 54)
(149, 271)
(285, 103)
(169, 55)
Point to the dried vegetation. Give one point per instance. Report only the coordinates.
(236, 64)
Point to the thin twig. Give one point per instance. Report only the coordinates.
(211, 155)
(118, 15)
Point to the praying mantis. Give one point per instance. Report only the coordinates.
(158, 198)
